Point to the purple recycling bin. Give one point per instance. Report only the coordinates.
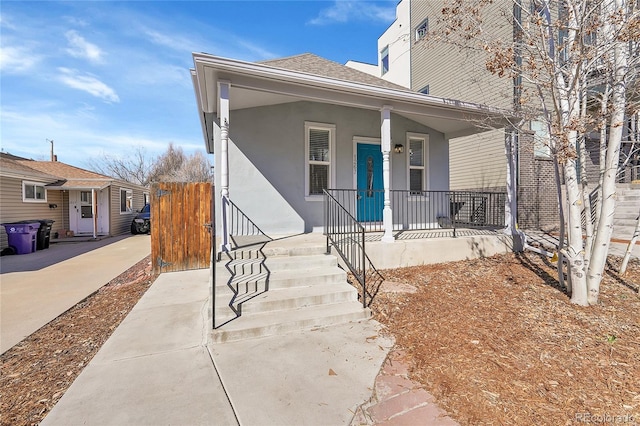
(22, 236)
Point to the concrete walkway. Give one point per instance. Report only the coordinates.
(156, 368)
(38, 290)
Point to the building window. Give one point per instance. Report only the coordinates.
(541, 139)
(33, 192)
(126, 200)
(422, 29)
(319, 150)
(145, 197)
(418, 147)
(384, 60)
(425, 90)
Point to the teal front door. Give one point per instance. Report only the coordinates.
(369, 183)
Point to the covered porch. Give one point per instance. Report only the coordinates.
(304, 125)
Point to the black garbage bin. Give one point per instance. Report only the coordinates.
(44, 233)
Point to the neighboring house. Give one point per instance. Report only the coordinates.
(284, 130)
(476, 162)
(78, 200)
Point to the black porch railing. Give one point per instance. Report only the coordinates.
(346, 236)
(424, 210)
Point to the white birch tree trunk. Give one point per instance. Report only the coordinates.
(616, 127)
(627, 254)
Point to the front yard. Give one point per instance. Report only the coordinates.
(497, 342)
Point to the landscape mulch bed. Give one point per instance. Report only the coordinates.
(37, 371)
(497, 342)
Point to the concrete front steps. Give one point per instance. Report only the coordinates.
(627, 209)
(282, 287)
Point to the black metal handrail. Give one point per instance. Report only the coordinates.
(346, 236)
(242, 230)
(424, 210)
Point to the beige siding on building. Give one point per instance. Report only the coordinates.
(121, 222)
(478, 161)
(13, 209)
(452, 73)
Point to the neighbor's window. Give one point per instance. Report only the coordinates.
(422, 29)
(126, 200)
(33, 192)
(541, 139)
(145, 197)
(319, 144)
(417, 160)
(384, 60)
(424, 90)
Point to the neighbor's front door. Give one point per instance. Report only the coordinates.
(83, 212)
(369, 182)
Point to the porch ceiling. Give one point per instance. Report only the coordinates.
(254, 85)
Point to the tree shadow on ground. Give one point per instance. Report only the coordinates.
(550, 280)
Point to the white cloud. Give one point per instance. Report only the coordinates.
(87, 83)
(343, 11)
(172, 41)
(16, 60)
(80, 48)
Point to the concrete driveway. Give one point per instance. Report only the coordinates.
(36, 288)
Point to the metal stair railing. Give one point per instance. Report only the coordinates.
(347, 236)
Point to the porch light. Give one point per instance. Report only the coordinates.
(398, 148)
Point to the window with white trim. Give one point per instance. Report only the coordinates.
(541, 139)
(422, 29)
(319, 146)
(145, 197)
(126, 200)
(417, 173)
(384, 60)
(33, 192)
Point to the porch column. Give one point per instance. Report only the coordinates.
(385, 133)
(223, 112)
(511, 202)
(94, 211)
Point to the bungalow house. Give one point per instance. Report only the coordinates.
(285, 130)
(305, 146)
(78, 200)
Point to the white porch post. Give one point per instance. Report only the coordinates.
(223, 112)
(94, 211)
(511, 202)
(385, 133)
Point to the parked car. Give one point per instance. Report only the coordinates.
(141, 224)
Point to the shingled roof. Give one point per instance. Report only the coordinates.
(65, 171)
(312, 64)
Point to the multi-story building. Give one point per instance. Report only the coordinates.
(439, 69)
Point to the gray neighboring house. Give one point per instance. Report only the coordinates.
(284, 130)
(78, 200)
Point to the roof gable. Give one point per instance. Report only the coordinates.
(65, 171)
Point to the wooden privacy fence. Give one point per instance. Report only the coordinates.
(181, 226)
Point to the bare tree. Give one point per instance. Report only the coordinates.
(574, 63)
(175, 166)
(132, 168)
(172, 166)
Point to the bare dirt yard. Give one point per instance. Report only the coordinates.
(37, 371)
(497, 342)
(494, 340)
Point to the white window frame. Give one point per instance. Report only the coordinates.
(384, 53)
(26, 183)
(425, 160)
(541, 139)
(145, 198)
(424, 26)
(129, 200)
(309, 125)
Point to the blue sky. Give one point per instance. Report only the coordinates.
(107, 77)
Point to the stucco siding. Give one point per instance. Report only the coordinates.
(454, 73)
(267, 160)
(13, 209)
